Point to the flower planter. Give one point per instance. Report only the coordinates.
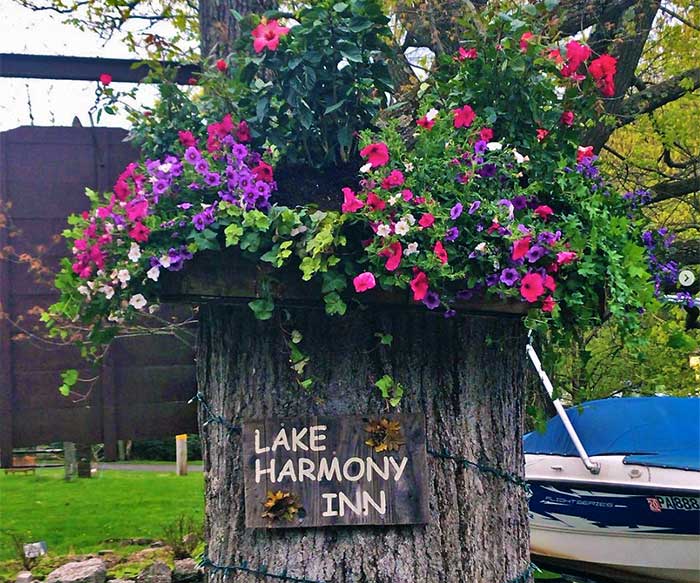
(465, 376)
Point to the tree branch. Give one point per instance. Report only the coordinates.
(581, 14)
(675, 188)
(658, 95)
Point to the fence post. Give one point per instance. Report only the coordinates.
(181, 454)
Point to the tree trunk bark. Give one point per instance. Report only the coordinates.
(466, 375)
(218, 27)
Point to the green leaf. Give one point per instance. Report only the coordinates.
(390, 389)
(351, 52)
(334, 107)
(385, 339)
(335, 304)
(69, 378)
(340, 7)
(233, 234)
(262, 308)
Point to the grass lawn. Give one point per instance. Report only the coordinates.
(83, 515)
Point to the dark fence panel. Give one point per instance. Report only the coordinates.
(146, 381)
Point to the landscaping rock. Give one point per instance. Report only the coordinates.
(187, 571)
(90, 571)
(24, 577)
(121, 581)
(158, 572)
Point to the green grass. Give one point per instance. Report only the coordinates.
(83, 515)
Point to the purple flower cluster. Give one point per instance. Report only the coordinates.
(162, 174)
(664, 273)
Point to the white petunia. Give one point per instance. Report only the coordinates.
(383, 230)
(394, 199)
(134, 252)
(138, 301)
(123, 276)
(153, 273)
(401, 228)
(410, 219)
(519, 158)
(165, 261)
(108, 291)
(411, 249)
(408, 166)
(115, 318)
(165, 167)
(432, 114)
(366, 168)
(494, 146)
(84, 290)
(481, 247)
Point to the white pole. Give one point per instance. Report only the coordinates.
(181, 454)
(591, 466)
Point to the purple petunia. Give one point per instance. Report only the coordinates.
(474, 207)
(519, 202)
(452, 234)
(431, 300)
(192, 155)
(456, 211)
(487, 170)
(509, 276)
(535, 253)
(492, 279)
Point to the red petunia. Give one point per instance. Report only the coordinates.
(576, 55)
(105, 79)
(542, 134)
(520, 248)
(419, 286)
(377, 154)
(584, 152)
(486, 134)
(186, 138)
(440, 252)
(464, 117)
(544, 212)
(549, 283)
(375, 203)
(603, 70)
(243, 132)
(267, 35)
(139, 232)
(426, 123)
(532, 287)
(221, 65)
(263, 171)
(525, 41)
(393, 254)
(567, 118)
(548, 304)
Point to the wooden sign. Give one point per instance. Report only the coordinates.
(333, 471)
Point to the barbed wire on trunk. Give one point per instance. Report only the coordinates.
(262, 571)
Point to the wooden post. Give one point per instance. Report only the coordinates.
(181, 454)
(84, 455)
(70, 463)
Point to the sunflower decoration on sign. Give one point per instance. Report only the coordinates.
(384, 435)
(282, 506)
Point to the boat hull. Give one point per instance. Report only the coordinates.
(623, 524)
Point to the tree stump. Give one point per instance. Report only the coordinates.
(465, 374)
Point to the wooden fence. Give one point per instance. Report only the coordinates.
(144, 385)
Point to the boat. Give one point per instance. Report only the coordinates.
(616, 490)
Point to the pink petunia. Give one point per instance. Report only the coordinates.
(584, 152)
(364, 282)
(440, 252)
(603, 70)
(186, 138)
(463, 117)
(394, 179)
(548, 304)
(377, 154)
(136, 209)
(520, 248)
(541, 134)
(532, 287)
(565, 257)
(426, 220)
(419, 285)
(576, 55)
(567, 118)
(466, 54)
(351, 203)
(139, 232)
(544, 212)
(105, 79)
(393, 254)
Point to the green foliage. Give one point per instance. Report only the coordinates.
(390, 389)
(183, 535)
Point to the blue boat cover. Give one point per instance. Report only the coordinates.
(662, 432)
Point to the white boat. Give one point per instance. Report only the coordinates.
(616, 490)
